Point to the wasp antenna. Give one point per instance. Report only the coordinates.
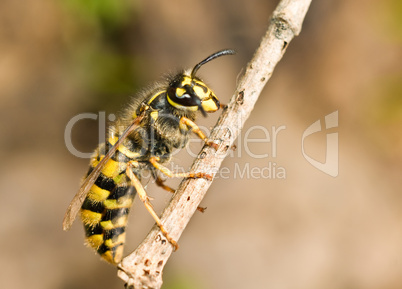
(211, 57)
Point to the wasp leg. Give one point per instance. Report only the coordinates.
(194, 127)
(135, 182)
(161, 183)
(164, 170)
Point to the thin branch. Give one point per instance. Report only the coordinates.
(143, 268)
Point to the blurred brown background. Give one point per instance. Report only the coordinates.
(309, 230)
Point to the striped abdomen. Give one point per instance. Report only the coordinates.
(106, 207)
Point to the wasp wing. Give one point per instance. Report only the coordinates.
(79, 198)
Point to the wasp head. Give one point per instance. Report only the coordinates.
(188, 92)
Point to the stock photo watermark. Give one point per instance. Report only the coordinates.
(331, 164)
(269, 136)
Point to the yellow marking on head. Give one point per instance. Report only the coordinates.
(124, 150)
(117, 204)
(209, 105)
(200, 92)
(191, 108)
(187, 80)
(90, 218)
(180, 91)
(95, 241)
(200, 83)
(97, 194)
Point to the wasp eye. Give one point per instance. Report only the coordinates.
(186, 95)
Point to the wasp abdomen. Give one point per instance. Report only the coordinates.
(105, 209)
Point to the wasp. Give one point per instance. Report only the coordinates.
(159, 120)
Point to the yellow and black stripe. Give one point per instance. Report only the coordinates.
(106, 207)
